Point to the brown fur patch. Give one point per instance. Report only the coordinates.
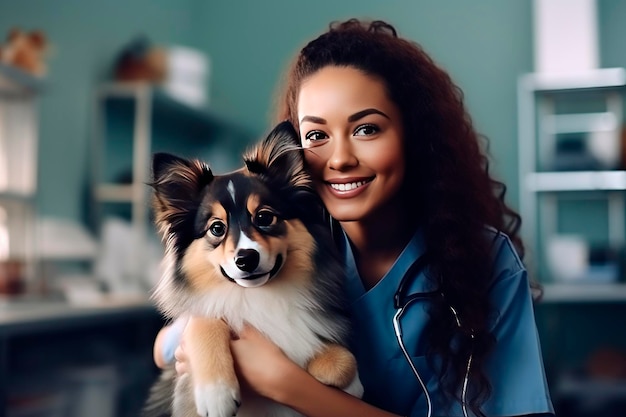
(201, 266)
(208, 342)
(334, 366)
(218, 212)
(253, 203)
(299, 263)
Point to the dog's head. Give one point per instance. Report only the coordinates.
(242, 228)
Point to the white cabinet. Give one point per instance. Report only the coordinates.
(572, 202)
(573, 183)
(18, 177)
(133, 121)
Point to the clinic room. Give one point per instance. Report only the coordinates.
(106, 107)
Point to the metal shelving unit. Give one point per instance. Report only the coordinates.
(146, 110)
(581, 190)
(541, 121)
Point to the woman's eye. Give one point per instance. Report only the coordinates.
(315, 135)
(265, 218)
(217, 229)
(366, 130)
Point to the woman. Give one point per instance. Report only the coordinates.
(400, 168)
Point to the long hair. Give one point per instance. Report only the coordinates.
(447, 184)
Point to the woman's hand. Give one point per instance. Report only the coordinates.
(261, 364)
(263, 369)
(182, 361)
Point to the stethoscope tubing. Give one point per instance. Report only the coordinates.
(398, 331)
(402, 300)
(397, 326)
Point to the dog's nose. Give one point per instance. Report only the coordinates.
(247, 259)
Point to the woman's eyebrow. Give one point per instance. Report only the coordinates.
(352, 118)
(358, 115)
(313, 119)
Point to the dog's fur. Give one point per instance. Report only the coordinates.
(250, 246)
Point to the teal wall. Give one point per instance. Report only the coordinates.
(611, 16)
(86, 35)
(484, 44)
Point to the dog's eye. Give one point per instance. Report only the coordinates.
(217, 229)
(264, 218)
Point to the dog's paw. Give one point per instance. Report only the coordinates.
(334, 365)
(217, 400)
(355, 388)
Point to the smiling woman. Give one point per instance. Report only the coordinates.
(404, 178)
(353, 135)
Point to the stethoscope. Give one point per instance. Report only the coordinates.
(402, 300)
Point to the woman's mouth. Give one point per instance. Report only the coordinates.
(349, 188)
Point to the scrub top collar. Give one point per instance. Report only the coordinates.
(390, 281)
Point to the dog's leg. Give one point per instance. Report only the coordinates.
(336, 366)
(216, 389)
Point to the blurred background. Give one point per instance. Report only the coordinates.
(89, 90)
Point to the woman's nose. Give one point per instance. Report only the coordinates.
(342, 156)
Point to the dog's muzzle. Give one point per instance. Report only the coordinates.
(247, 260)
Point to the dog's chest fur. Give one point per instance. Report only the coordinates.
(286, 313)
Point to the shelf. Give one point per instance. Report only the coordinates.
(575, 387)
(18, 197)
(576, 181)
(15, 81)
(580, 123)
(599, 78)
(114, 193)
(24, 315)
(578, 292)
(170, 107)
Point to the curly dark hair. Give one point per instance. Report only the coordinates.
(448, 170)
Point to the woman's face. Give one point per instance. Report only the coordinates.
(353, 136)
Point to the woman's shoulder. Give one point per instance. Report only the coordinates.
(506, 260)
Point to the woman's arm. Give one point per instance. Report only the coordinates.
(310, 397)
(270, 373)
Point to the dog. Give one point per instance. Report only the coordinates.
(247, 247)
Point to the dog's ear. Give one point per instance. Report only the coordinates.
(178, 185)
(278, 159)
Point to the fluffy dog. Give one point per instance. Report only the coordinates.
(250, 246)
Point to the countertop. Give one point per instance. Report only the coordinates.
(22, 316)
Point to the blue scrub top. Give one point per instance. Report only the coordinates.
(515, 367)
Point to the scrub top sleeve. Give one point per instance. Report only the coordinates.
(515, 366)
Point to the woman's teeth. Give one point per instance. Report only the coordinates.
(347, 187)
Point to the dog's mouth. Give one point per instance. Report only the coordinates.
(256, 280)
